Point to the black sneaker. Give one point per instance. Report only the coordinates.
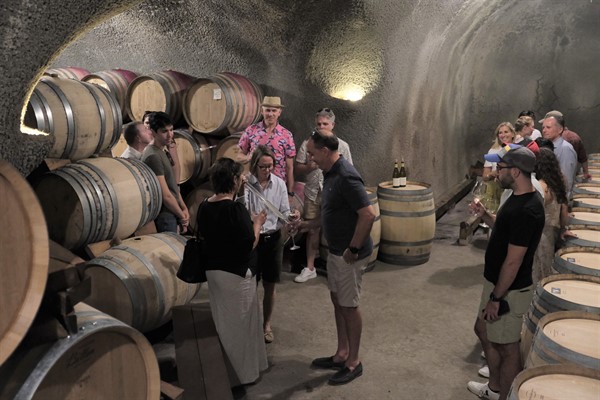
(346, 375)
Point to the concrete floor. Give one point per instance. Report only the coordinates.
(417, 343)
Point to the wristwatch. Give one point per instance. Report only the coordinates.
(291, 194)
(353, 250)
(494, 298)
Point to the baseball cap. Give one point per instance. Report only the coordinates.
(515, 156)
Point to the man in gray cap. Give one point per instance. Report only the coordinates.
(508, 287)
(553, 128)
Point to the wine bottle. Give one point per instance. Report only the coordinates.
(396, 176)
(402, 175)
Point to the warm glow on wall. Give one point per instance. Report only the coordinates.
(347, 60)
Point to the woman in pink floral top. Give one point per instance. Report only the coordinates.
(276, 137)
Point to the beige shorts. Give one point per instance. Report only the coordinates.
(312, 209)
(508, 328)
(345, 280)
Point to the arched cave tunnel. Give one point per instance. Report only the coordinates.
(437, 77)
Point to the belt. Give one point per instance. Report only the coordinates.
(270, 235)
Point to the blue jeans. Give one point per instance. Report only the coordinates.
(166, 222)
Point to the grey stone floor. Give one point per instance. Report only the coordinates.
(417, 343)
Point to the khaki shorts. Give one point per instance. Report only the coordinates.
(312, 209)
(508, 328)
(345, 280)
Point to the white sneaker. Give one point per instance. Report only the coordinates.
(482, 390)
(484, 371)
(305, 275)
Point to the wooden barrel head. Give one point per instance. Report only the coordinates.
(585, 216)
(578, 292)
(574, 334)
(23, 260)
(587, 202)
(145, 94)
(578, 260)
(205, 106)
(588, 236)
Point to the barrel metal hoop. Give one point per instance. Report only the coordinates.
(566, 353)
(84, 195)
(154, 274)
(115, 108)
(401, 214)
(228, 105)
(168, 90)
(403, 243)
(41, 109)
(90, 88)
(181, 239)
(48, 113)
(153, 186)
(562, 304)
(197, 152)
(236, 114)
(71, 125)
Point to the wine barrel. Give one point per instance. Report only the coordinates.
(562, 292)
(564, 338)
(407, 223)
(194, 199)
(105, 359)
(75, 73)
(194, 156)
(98, 199)
(161, 91)
(85, 119)
(587, 189)
(556, 382)
(585, 216)
(578, 260)
(115, 81)
(224, 100)
(23, 259)
(594, 157)
(136, 281)
(228, 147)
(586, 202)
(375, 233)
(587, 236)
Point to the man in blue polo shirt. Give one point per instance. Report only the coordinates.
(346, 220)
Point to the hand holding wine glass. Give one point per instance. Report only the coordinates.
(293, 219)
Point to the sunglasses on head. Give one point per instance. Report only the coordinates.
(328, 110)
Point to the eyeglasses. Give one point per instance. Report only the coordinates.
(501, 167)
(266, 166)
(324, 109)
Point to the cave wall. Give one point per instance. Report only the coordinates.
(438, 76)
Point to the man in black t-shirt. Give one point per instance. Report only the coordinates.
(507, 289)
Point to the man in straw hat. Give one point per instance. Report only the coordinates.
(508, 287)
(280, 140)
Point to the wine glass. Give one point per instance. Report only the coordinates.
(293, 216)
(479, 193)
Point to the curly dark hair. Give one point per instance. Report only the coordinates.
(548, 170)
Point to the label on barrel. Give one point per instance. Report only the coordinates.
(216, 94)
(570, 259)
(555, 290)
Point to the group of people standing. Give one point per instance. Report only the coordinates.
(242, 225)
(534, 178)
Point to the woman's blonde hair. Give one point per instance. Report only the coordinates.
(496, 143)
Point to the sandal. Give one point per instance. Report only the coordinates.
(269, 337)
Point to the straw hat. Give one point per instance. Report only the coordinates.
(272, 102)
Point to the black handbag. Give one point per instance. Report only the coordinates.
(191, 269)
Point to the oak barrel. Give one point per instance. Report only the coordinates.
(556, 382)
(587, 236)
(194, 199)
(587, 189)
(76, 73)
(228, 147)
(161, 91)
(136, 281)
(561, 292)
(224, 100)
(23, 258)
(194, 156)
(375, 233)
(84, 119)
(565, 337)
(586, 202)
(578, 260)
(115, 81)
(105, 359)
(585, 216)
(407, 223)
(98, 199)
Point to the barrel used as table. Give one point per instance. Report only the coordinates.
(105, 359)
(84, 119)
(561, 292)
(578, 260)
(98, 199)
(23, 258)
(136, 281)
(407, 223)
(566, 337)
(583, 201)
(556, 382)
(375, 233)
(76, 73)
(587, 189)
(115, 81)
(584, 216)
(161, 91)
(224, 100)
